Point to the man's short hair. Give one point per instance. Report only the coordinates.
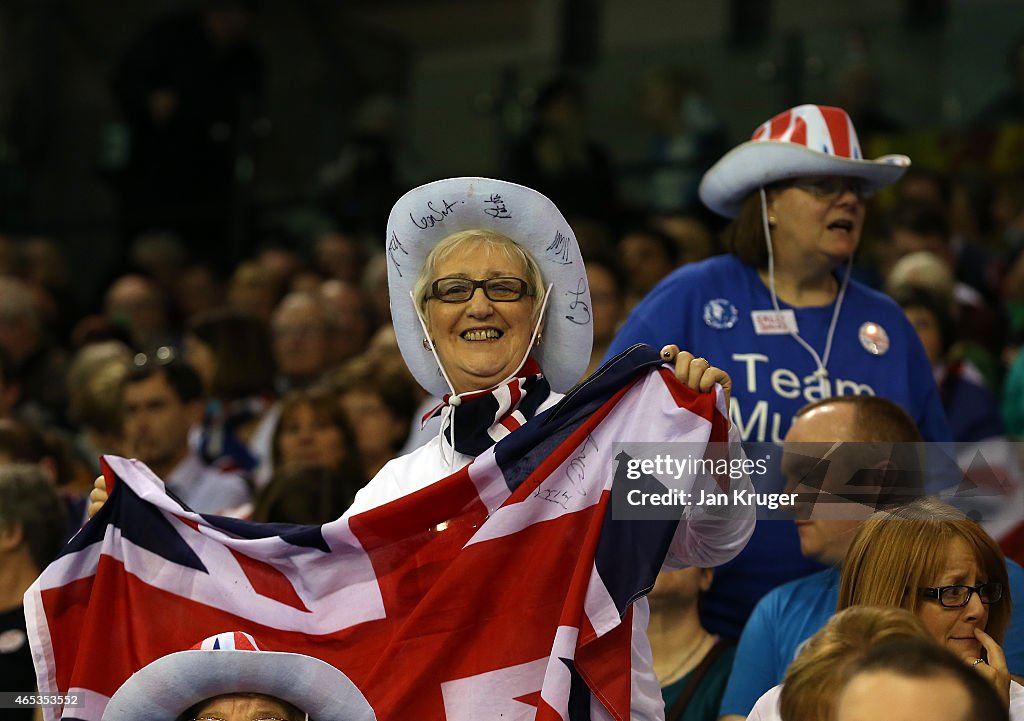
(879, 420)
(181, 377)
(917, 658)
(29, 499)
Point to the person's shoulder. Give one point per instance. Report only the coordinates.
(799, 591)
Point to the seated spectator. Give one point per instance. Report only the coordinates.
(915, 228)
(912, 680)
(348, 317)
(692, 235)
(228, 676)
(32, 523)
(692, 665)
(379, 399)
(971, 409)
(788, 615)
(317, 469)
(608, 302)
(254, 290)
(39, 364)
(647, 256)
(932, 560)
(814, 679)
(136, 303)
(926, 271)
(163, 400)
(231, 352)
(299, 341)
(339, 255)
(95, 382)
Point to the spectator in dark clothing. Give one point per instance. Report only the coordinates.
(32, 522)
(557, 157)
(189, 88)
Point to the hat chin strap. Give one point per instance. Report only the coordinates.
(820, 360)
(455, 399)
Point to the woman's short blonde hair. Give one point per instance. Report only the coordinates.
(815, 678)
(899, 551)
(488, 238)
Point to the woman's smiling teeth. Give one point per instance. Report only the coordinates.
(487, 334)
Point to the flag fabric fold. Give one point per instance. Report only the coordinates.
(502, 591)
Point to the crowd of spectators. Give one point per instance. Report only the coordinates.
(272, 388)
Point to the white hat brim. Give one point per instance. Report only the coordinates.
(167, 687)
(756, 163)
(430, 213)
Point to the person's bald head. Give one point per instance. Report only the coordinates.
(844, 455)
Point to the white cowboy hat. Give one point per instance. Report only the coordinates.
(230, 663)
(803, 141)
(430, 213)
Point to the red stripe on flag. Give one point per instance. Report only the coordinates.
(268, 581)
(839, 130)
(171, 623)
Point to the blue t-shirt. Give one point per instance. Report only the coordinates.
(706, 308)
(792, 613)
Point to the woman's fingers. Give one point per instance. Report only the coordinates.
(994, 669)
(697, 373)
(97, 496)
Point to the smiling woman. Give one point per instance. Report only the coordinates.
(482, 329)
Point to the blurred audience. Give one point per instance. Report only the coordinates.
(692, 665)
(317, 468)
(32, 523)
(163, 401)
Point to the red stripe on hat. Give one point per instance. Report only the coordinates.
(243, 642)
(778, 125)
(799, 135)
(838, 130)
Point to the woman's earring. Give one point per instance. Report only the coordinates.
(536, 343)
(426, 344)
(772, 220)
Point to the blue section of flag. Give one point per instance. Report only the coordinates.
(302, 536)
(140, 523)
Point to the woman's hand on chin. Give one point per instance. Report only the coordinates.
(697, 373)
(994, 669)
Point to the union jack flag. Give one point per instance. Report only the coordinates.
(503, 591)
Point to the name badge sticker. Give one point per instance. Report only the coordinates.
(774, 322)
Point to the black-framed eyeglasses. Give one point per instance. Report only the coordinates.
(959, 596)
(460, 290)
(831, 187)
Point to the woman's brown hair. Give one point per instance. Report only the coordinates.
(897, 552)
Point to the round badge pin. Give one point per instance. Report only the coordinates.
(720, 314)
(874, 338)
